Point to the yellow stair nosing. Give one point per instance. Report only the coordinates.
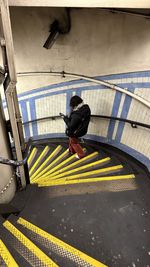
(79, 175)
(89, 165)
(103, 170)
(62, 163)
(56, 150)
(33, 152)
(64, 181)
(29, 244)
(61, 244)
(70, 165)
(45, 150)
(52, 163)
(6, 256)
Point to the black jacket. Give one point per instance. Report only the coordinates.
(78, 121)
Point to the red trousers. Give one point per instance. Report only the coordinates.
(75, 147)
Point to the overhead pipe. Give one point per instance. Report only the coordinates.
(56, 28)
(88, 78)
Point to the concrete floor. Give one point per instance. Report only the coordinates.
(109, 221)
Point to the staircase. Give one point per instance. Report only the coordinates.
(78, 212)
(52, 167)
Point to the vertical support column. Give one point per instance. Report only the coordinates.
(7, 181)
(11, 94)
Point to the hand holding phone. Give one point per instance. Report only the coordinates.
(61, 115)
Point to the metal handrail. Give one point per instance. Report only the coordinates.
(15, 163)
(21, 162)
(134, 124)
(90, 79)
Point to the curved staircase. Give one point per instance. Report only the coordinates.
(58, 167)
(79, 212)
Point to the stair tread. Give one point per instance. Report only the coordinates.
(46, 171)
(62, 253)
(100, 208)
(54, 256)
(6, 238)
(27, 249)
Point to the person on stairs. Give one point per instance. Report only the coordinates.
(77, 124)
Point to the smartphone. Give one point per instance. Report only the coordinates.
(61, 115)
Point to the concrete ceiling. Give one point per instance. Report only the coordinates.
(83, 3)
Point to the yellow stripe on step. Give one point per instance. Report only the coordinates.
(65, 153)
(55, 168)
(88, 180)
(90, 173)
(72, 253)
(34, 150)
(6, 256)
(45, 150)
(76, 163)
(90, 165)
(43, 258)
(54, 153)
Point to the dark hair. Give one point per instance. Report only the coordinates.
(75, 101)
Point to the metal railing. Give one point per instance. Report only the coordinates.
(16, 163)
(29, 144)
(134, 124)
(90, 79)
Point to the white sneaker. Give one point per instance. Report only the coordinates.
(77, 157)
(68, 150)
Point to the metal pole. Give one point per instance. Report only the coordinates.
(90, 79)
(11, 110)
(7, 177)
(11, 94)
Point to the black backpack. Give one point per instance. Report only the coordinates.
(83, 127)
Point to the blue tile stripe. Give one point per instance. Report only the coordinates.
(114, 113)
(79, 81)
(69, 95)
(85, 88)
(33, 116)
(124, 113)
(78, 92)
(25, 118)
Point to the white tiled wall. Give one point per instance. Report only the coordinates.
(101, 102)
(51, 126)
(51, 106)
(138, 139)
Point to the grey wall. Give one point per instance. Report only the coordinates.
(99, 43)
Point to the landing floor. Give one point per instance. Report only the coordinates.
(109, 221)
